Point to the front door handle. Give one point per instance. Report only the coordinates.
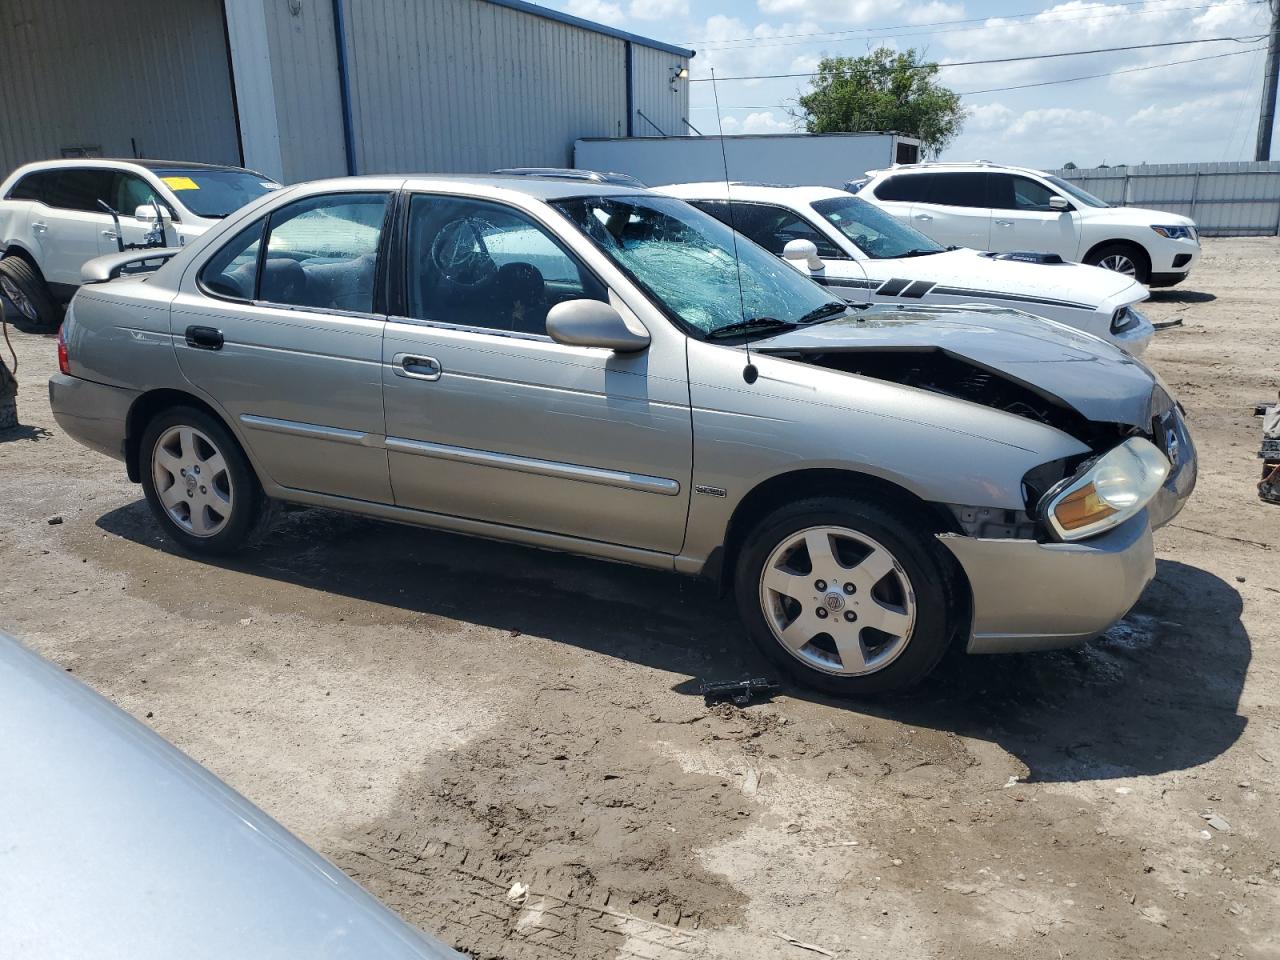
(417, 367)
(204, 338)
(923, 216)
(110, 234)
(39, 227)
(1004, 223)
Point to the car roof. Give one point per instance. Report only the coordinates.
(743, 190)
(940, 166)
(155, 165)
(547, 188)
(116, 844)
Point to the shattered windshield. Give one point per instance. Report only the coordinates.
(876, 233)
(685, 260)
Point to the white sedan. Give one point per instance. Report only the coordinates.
(866, 255)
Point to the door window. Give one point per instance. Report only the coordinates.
(1010, 192)
(907, 189)
(481, 264)
(233, 270)
(322, 252)
(79, 189)
(958, 189)
(129, 192)
(771, 226)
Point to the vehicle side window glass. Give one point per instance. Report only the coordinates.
(481, 264)
(79, 189)
(908, 189)
(30, 187)
(233, 270)
(1026, 194)
(958, 189)
(323, 251)
(129, 192)
(774, 227)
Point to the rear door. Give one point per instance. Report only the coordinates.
(1021, 218)
(70, 226)
(898, 194)
(955, 211)
(281, 328)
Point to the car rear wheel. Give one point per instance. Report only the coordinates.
(199, 484)
(22, 285)
(1122, 258)
(848, 596)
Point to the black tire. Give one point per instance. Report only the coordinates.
(1111, 252)
(250, 511)
(927, 568)
(23, 287)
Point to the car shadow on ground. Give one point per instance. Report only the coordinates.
(1170, 295)
(1158, 692)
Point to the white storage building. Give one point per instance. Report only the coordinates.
(301, 89)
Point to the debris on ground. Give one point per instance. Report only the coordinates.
(738, 692)
(811, 947)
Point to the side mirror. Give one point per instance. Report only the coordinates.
(590, 323)
(805, 251)
(1058, 203)
(147, 213)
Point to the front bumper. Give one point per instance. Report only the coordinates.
(95, 414)
(1172, 260)
(1040, 596)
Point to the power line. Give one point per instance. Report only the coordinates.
(1040, 56)
(1109, 73)
(837, 34)
(1044, 83)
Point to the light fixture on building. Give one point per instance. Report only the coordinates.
(678, 72)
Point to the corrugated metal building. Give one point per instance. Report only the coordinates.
(301, 89)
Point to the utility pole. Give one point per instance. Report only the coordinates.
(1267, 109)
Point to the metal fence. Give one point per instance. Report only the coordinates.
(1224, 199)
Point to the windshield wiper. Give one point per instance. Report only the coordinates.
(916, 252)
(828, 311)
(739, 327)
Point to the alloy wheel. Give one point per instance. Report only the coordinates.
(838, 601)
(192, 481)
(1120, 264)
(19, 299)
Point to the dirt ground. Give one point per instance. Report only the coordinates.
(446, 718)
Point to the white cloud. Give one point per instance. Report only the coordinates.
(988, 116)
(599, 10)
(760, 122)
(935, 12)
(658, 9)
(831, 11)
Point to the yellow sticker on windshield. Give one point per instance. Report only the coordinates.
(181, 183)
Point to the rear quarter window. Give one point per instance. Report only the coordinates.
(907, 188)
(30, 187)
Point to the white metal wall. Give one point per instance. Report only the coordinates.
(652, 93)
(467, 86)
(1224, 199)
(88, 73)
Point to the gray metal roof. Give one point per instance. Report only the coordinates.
(537, 11)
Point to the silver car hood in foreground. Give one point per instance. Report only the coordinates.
(113, 844)
(1095, 379)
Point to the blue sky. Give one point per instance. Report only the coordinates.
(1205, 111)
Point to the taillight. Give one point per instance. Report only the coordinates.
(64, 361)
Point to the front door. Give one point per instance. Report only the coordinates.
(280, 330)
(128, 192)
(489, 419)
(1022, 219)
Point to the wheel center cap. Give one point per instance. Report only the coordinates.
(833, 601)
(191, 482)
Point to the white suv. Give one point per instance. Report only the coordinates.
(1005, 209)
(52, 218)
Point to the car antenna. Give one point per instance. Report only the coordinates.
(749, 373)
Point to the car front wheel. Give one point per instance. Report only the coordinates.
(199, 484)
(848, 596)
(1122, 258)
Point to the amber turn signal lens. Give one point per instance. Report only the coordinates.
(1081, 508)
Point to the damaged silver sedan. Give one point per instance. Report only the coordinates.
(601, 370)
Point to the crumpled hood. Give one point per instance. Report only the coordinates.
(1074, 369)
(1073, 284)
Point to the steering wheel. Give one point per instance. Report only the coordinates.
(460, 254)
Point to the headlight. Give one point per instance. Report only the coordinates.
(1106, 492)
(1125, 319)
(1176, 233)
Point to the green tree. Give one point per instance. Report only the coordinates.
(1069, 166)
(884, 90)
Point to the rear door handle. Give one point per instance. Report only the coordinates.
(204, 338)
(39, 227)
(417, 367)
(1004, 223)
(923, 216)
